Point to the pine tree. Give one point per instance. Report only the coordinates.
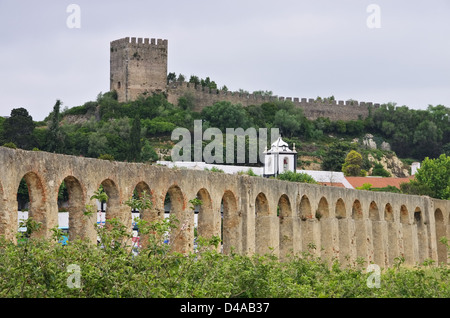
(54, 138)
(19, 129)
(134, 153)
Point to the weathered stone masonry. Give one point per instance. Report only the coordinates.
(139, 67)
(341, 223)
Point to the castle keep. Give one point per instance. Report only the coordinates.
(139, 67)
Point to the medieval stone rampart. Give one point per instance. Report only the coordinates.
(139, 67)
(313, 109)
(259, 215)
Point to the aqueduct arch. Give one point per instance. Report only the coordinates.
(232, 224)
(286, 240)
(338, 221)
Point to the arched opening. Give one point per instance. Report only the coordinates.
(108, 206)
(71, 204)
(422, 237)
(388, 213)
(208, 222)
(262, 225)
(406, 241)
(340, 209)
(329, 239)
(374, 213)
(357, 211)
(323, 211)
(305, 208)
(306, 217)
(344, 249)
(286, 239)
(360, 230)
(181, 237)
(231, 224)
(440, 232)
(31, 203)
(392, 230)
(111, 207)
(377, 235)
(142, 208)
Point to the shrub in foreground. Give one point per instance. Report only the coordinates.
(45, 268)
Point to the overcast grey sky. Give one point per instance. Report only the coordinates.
(292, 48)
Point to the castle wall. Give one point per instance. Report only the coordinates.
(139, 67)
(335, 110)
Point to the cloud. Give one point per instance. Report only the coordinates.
(293, 48)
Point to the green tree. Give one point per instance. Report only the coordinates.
(55, 138)
(378, 170)
(18, 128)
(148, 153)
(194, 80)
(414, 187)
(224, 115)
(2, 139)
(427, 139)
(335, 155)
(171, 77)
(296, 177)
(134, 152)
(287, 123)
(187, 101)
(269, 110)
(435, 174)
(352, 164)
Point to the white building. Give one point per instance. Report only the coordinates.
(279, 158)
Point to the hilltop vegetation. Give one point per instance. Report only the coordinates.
(139, 131)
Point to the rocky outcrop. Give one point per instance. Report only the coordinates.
(393, 165)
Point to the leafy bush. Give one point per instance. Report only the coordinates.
(10, 145)
(36, 268)
(378, 170)
(296, 177)
(214, 169)
(106, 157)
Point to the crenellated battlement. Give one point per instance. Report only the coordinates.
(333, 109)
(139, 42)
(262, 98)
(139, 67)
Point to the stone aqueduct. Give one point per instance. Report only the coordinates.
(259, 215)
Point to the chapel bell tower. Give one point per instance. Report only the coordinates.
(279, 158)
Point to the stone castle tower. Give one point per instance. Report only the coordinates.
(138, 66)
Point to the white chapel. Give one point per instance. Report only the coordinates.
(279, 158)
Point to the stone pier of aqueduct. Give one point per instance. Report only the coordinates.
(259, 215)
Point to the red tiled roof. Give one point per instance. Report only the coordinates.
(334, 184)
(377, 182)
